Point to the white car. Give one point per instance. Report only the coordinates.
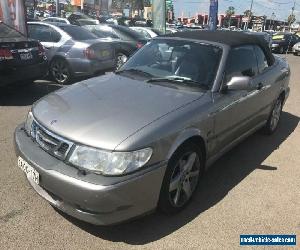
(148, 33)
(56, 20)
(296, 49)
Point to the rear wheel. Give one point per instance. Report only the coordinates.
(181, 178)
(60, 71)
(281, 50)
(274, 118)
(121, 59)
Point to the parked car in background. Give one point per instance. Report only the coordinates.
(118, 146)
(72, 50)
(22, 59)
(56, 20)
(284, 42)
(123, 49)
(146, 32)
(150, 33)
(81, 19)
(296, 49)
(125, 40)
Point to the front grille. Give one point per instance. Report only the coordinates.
(51, 143)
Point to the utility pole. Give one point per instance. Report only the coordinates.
(249, 15)
(292, 14)
(57, 8)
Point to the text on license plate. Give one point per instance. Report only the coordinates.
(28, 170)
(26, 56)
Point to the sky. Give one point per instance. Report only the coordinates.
(281, 8)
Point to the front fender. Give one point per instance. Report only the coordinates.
(185, 135)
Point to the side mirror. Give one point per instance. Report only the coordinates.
(239, 83)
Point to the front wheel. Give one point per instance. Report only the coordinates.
(60, 71)
(281, 50)
(181, 178)
(274, 118)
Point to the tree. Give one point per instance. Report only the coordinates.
(229, 13)
(248, 13)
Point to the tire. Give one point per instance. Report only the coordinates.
(296, 53)
(60, 71)
(274, 117)
(181, 178)
(281, 50)
(121, 59)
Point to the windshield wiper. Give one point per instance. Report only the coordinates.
(134, 71)
(180, 81)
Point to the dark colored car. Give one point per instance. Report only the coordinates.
(81, 19)
(124, 40)
(18, 56)
(284, 42)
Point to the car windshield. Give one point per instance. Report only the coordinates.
(78, 33)
(172, 60)
(7, 32)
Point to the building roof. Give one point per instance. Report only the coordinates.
(230, 38)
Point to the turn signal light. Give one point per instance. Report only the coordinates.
(89, 53)
(139, 45)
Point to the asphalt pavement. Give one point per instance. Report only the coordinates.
(253, 189)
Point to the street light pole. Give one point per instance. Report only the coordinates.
(249, 15)
(57, 8)
(292, 15)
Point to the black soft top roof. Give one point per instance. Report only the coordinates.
(230, 38)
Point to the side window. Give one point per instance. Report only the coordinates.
(262, 61)
(241, 61)
(55, 36)
(43, 33)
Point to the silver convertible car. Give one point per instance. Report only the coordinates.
(118, 146)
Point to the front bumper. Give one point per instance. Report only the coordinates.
(86, 197)
(23, 73)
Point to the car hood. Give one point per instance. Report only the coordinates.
(103, 111)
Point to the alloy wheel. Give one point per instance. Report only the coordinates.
(275, 117)
(121, 59)
(60, 71)
(184, 179)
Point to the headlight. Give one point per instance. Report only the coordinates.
(28, 123)
(109, 163)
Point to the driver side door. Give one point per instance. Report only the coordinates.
(236, 110)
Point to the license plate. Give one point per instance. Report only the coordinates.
(26, 56)
(30, 172)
